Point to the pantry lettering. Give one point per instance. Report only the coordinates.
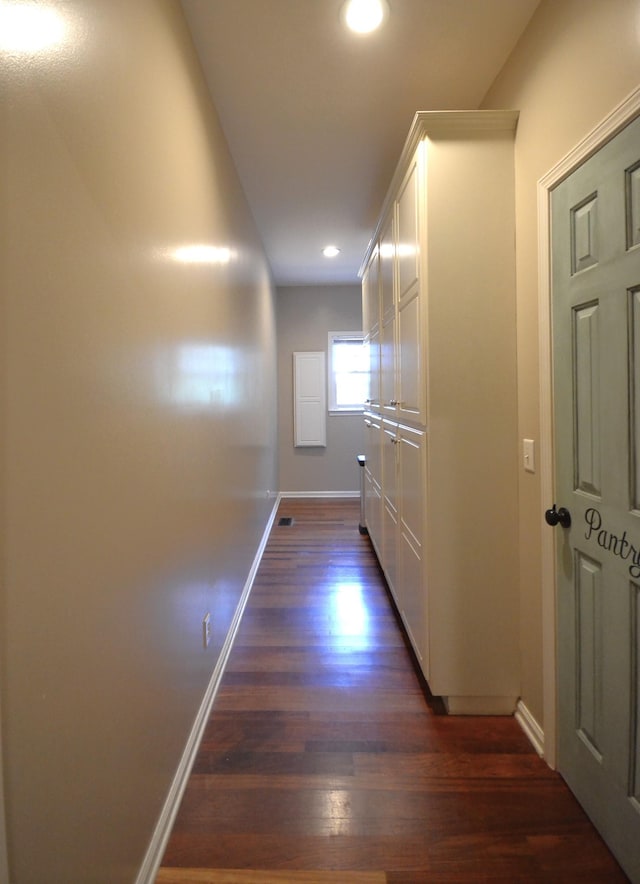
(618, 545)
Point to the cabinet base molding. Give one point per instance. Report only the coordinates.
(480, 705)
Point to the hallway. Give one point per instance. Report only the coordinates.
(325, 760)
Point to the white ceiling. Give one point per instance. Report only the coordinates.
(316, 117)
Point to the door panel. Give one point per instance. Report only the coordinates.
(411, 484)
(386, 265)
(371, 296)
(371, 325)
(388, 366)
(408, 236)
(633, 205)
(373, 476)
(589, 656)
(390, 509)
(373, 344)
(634, 346)
(410, 384)
(596, 328)
(586, 350)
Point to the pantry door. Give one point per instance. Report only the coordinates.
(595, 236)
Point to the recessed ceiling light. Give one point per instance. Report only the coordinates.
(330, 251)
(364, 16)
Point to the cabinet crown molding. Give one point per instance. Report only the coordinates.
(433, 125)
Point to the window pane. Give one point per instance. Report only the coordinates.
(349, 371)
(349, 356)
(351, 389)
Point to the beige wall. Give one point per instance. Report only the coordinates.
(138, 429)
(305, 317)
(575, 62)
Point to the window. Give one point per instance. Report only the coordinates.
(348, 372)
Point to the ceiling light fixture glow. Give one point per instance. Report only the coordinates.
(331, 251)
(364, 16)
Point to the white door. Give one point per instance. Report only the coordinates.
(596, 352)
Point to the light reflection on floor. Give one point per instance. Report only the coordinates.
(350, 626)
(335, 811)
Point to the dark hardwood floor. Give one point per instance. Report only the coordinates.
(325, 759)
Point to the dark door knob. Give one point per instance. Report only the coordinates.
(554, 517)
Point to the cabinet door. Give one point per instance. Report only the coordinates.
(366, 321)
(371, 295)
(388, 395)
(412, 459)
(373, 480)
(373, 345)
(309, 399)
(371, 326)
(410, 380)
(411, 383)
(408, 236)
(373, 513)
(388, 400)
(387, 270)
(390, 507)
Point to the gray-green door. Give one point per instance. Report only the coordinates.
(596, 352)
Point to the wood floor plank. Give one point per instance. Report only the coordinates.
(256, 876)
(326, 759)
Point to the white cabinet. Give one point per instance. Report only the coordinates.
(402, 390)
(447, 376)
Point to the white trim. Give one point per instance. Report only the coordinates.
(153, 857)
(334, 337)
(320, 494)
(603, 132)
(530, 726)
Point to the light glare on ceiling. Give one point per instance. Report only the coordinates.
(364, 16)
(331, 251)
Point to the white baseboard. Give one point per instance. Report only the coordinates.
(320, 494)
(160, 837)
(531, 727)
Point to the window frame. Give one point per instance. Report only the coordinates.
(335, 337)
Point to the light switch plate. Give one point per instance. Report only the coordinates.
(529, 455)
(206, 630)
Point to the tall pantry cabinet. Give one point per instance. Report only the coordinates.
(441, 418)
